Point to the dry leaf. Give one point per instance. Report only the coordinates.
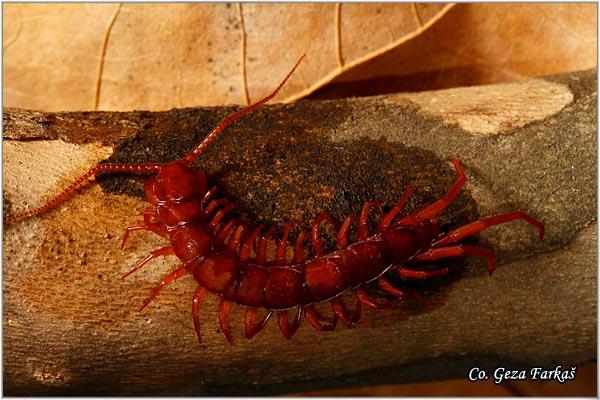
(476, 44)
(158, 56)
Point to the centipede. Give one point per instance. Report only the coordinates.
(227, 256)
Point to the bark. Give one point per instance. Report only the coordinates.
(71, 324)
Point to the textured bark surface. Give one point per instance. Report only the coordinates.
(70, 322)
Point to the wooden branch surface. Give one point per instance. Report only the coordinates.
(71, 324)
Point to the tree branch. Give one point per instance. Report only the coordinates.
(70, 322)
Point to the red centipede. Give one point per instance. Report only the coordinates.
(228, 258)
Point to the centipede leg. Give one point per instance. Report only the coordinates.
(164, 251)
(284, 326)
(416, 274)
(460, 250)
(299, 252)
(369, 301)
(220, 214)
(261, 250)
(388, 287)
(224, 310)
(389, 217)
(249, 244)
(149, 225)
(222, 233)
(281, 246)
(441, 204)
(250, 328)
(196, 302)
(316, 235)
(340, 311)
(236, 238)
(313, 319)
(363, 232)
(178, 273)
(131, 229)
(478, 226)
(342, 236)
(153, 223)
(213, 206)
(209, 195)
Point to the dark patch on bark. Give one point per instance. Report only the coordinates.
(278, 169)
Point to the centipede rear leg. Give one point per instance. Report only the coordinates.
(460, 250)
(438, 252)
(478, 226)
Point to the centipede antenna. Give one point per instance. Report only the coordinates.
(194, 154)
(62, 196)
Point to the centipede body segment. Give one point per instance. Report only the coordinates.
(228, 258)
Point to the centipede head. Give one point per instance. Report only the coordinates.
(174, 183)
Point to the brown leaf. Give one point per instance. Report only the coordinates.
(149, 56)
(476, 44)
